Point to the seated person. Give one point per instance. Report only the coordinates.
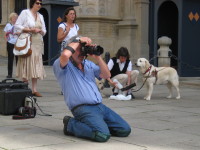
(121, 69)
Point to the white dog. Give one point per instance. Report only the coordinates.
(100, 84)
(158, 75)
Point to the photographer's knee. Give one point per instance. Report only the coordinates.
(100, 137)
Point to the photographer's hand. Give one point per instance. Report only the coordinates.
(71, 49)
(86, 40)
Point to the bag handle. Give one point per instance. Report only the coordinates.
(5, 80)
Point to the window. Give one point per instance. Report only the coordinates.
(20, 5)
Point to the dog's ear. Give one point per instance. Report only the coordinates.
(147, 64)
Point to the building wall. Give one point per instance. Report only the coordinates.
(8, 7)
(110, 23)
(116, 23)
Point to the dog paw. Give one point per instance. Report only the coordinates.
(147, 98)
(178, 97)
(169, 96)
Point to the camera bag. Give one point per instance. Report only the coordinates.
(29, 109)
(12, 96)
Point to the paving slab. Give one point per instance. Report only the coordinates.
(158, 124)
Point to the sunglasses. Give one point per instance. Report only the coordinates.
(38, 3)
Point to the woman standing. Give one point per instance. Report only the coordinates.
(67, 29)
(11, 38)
(31, 68)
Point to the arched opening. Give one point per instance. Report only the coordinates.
(44, 12)
(168, 26)
(20, 5)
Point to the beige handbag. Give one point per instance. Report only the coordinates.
(22, 46)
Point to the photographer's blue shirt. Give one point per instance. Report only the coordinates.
(78, 87)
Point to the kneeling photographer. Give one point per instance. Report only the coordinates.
(76, 76)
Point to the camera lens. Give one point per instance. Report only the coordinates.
(98, 50)
(92, 50)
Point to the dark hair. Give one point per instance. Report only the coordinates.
(123, 51)
(64, 19)
(32, 2)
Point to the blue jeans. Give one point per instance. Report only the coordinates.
(97, 123)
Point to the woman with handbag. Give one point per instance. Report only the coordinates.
(11, 37)
(31, 67)
(68, 28)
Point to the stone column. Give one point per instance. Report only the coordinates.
(97, 19)
(163, 51)
(142, 18)
(127, 28)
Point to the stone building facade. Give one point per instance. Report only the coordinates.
(7, 7)
(110, 23)
(116, 23)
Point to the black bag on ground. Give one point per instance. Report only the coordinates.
(12, 95)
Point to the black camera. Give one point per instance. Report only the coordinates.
(91, 50)
(28, 112)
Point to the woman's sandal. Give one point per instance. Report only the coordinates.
(37, 94)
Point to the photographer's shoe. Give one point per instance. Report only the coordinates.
(65, 122)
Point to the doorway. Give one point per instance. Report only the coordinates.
(168, 26)
(44, 12)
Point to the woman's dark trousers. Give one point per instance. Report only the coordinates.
(10, 59)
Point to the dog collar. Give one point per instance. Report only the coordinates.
(147, 70)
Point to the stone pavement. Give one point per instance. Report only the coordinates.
(159, 124)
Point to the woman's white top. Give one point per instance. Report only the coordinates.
(72, 32)
(26, 20)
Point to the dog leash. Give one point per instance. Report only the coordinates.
(142, 84)
(140, 87)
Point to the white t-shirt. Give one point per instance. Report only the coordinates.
(72, 32)
(11, 37)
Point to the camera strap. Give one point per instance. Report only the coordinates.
(43, 114)
(18, 117)
(75, 64)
